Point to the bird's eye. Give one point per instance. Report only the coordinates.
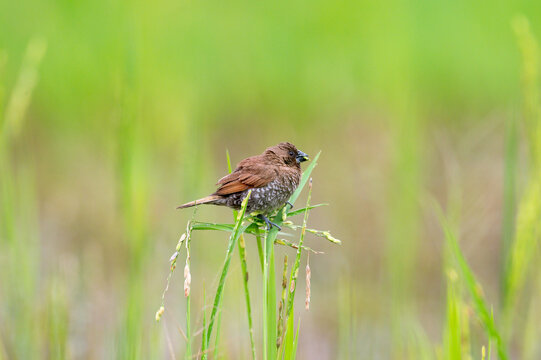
(291, 153)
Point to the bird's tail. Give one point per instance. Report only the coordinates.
(206, 200)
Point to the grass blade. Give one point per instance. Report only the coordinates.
(217, 341)
(204, 334)
(187, 284)
(295, 269)
(453, 333)
(289, 345)
(281, 305)
(296, 341)
(474, 288)
(239, 229)
(271, 317)
(509, 198)
(301, 211)
(259, 248)
(244, 267)
(527, 228)
(198, 225)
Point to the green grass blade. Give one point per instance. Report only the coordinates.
(295, 269)
(489, 339)
(509, 199)
(271, 319)
(187, 284)
(229, 168)
(531, 54)
(301, 211)
(281, 305)
(259, 248)
(21, 95)
(453, 333)
(296, 341)
(204, 334)
(198, 225)
(289, 339)
(265, 297)
(244, 267)
(474, 288)
(527, 233)
(239, 229)
(527, 228)
(218, 328)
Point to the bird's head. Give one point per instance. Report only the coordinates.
(287, 154)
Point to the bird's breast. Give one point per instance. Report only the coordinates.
(269, 198)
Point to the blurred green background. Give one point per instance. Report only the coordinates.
(133, 107)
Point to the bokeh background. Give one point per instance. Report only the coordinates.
(115, 112)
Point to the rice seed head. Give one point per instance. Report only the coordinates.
(284, 274)
(187, 280)
(180, 241)
(282, 302)
(159, 313)
(174, 256)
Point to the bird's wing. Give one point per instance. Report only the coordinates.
(246, 176)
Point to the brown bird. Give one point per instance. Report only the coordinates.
(272, 176)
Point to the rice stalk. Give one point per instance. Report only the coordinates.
(187, 284)
(295, 269)
(281, 305)
(527, 229)
(242, 254)
(308, 278)
(238, 230)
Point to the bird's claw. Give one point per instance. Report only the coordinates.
(290, 205)
(269, 223)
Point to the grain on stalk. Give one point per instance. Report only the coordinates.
(308, 276)
(281, 305)
(187, 280)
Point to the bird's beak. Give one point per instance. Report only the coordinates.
(301, 156)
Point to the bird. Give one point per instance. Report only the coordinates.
(271, 176)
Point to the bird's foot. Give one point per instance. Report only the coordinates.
(290, 205)
(269, 223)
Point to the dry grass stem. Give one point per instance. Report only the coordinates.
(308, 276)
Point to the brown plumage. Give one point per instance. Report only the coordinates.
(272, 176)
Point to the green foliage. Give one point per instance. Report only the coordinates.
(453, 335)
(111, 111)
(480, 304)
(527, 229)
